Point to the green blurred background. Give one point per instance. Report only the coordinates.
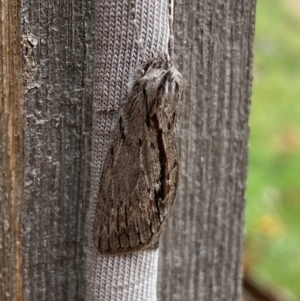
(272, 255)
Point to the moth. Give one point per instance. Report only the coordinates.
(140, 173)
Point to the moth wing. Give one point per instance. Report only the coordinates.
(140, 173)
(127, 216)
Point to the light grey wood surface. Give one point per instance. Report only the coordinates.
(202, 247)
(58, 105)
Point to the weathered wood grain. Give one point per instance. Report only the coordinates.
(202, 245)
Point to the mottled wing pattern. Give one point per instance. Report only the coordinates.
(140, 173)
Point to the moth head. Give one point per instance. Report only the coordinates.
(162, 85)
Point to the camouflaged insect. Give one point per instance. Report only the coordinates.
(140, 173)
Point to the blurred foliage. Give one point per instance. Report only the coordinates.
(272, 252)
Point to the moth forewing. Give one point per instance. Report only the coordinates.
(140, 174)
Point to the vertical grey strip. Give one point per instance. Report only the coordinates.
(127, 277)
